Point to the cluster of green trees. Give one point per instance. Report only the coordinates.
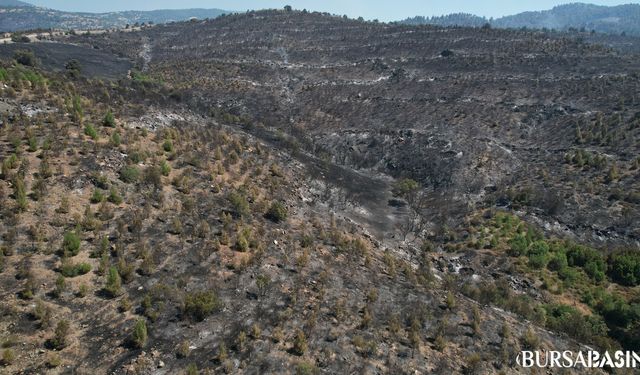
(587, 271)
(585, 159)
(16, 75)
(622, 267)
(565, 264)
(602, 131)
(568, 319)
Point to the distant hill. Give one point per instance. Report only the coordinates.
(603, 19)
(14, 3)
(19, 16)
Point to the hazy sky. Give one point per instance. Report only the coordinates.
(385, 10)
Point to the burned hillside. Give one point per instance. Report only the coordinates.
(295, 192)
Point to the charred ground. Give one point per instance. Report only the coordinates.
(302, 192)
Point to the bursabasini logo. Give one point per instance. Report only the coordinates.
(570, 359)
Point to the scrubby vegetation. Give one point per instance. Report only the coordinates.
(153, 222)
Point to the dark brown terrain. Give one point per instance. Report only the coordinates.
(304, 193)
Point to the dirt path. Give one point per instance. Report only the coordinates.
(145, 53)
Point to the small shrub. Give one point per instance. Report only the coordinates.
(241, 341)
(167, 145)
(20, 194)
(83, 290)
(262, 282)
(440, 342)
(183, 350)
(474, 364)
(198, 305)
(53, 360)
(569, 275)
(101, 181)
(25, 57)
(557, 261)
(115, 139)
(165, 168)
(76, 109)
(60, 337)
(242, 243)
(305, 368)
(239, 204)
(33, 144)
(42, 313)
(97, 197)
(538, 261)
(299, 342)
(222, 353)
(90, 131)
(129, 174)
(277, 212)
(61, 286)
(71, 243)
(450, 301)
(109, 120)
(8, 356)
(530, 339)
(365, 347)
(114, 282)
(125, 304)
(139, 336)
(589, 259)
(137, 157)
(64, 206)
(125, 270)
(519, 245)
(306, 241)
(114, 197)
(192, 369)
(69, 269)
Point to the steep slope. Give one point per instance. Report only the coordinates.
(139, 240)
(487, 112)
(542, 125)
(280, 192)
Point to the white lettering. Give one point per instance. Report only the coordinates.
(538, 360)
(567, 356)
(580, 360)
(554, 361)
(527, 359)
(606, 360)
(635, 358)
(569, 359)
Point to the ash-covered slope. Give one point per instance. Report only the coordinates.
(482, 116)
(240, 202)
